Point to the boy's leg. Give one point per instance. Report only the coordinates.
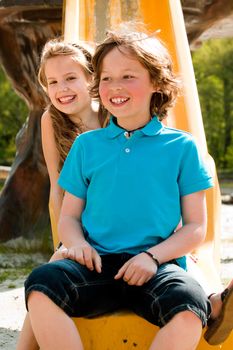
(52, 327)
(183, 332)
(62, 289)
(176, 303)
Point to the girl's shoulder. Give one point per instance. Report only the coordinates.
(46, 123)
(46, 118)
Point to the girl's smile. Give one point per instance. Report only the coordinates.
(67, 86)
(67, 99)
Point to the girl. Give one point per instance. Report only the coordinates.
(127, 253)
(64, 74)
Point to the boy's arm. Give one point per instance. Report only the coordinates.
(71, 233)
(190, 235)
(141, 268)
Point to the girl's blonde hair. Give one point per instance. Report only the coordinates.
(65, 130)
(152, 54)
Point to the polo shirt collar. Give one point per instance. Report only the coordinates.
(153, 128)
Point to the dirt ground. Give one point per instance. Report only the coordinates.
(12, 311)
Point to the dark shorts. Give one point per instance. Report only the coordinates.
(84, 293)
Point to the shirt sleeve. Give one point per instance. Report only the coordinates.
(72, 177)
(194, 175)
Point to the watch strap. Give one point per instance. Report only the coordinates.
(152, 256)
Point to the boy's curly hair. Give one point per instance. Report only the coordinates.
(152, 54)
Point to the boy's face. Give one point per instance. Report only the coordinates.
(125, 88)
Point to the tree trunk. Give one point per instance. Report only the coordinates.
(24, 29)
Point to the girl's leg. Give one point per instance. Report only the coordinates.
(58, 254)
(52, 327)
(27, 339)
(183, 332)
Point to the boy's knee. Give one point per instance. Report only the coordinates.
(41, 275)
(35, 298)
(41, 284)
(188, 319)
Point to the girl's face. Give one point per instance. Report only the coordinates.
(125, 88)
(67, 86)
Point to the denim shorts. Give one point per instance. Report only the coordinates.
(84, 293)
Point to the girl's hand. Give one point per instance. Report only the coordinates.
(137, 270)
(85, 254)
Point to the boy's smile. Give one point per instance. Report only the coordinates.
(118, 100)
(125, 88)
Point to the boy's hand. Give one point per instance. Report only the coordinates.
(85, 254)
(137, 270)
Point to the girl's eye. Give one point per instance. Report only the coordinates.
(52, 82)
(105, 79)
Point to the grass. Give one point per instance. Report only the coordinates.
(17, 266)
(227, 184)
(11, 277)
(18, 257)
(1, 184)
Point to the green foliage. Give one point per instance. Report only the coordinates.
(13, 113)
(213, 65)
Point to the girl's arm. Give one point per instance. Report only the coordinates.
(71, 234)
(52, 160)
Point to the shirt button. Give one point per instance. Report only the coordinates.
(127, 150)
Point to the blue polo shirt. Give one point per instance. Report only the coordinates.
(133, 186)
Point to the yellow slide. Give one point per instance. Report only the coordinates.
(88, 20)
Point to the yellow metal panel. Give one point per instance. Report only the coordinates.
(126, 331)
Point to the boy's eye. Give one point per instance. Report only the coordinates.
(128, 76)
(71, 78)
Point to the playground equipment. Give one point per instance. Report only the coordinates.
(124, 330)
